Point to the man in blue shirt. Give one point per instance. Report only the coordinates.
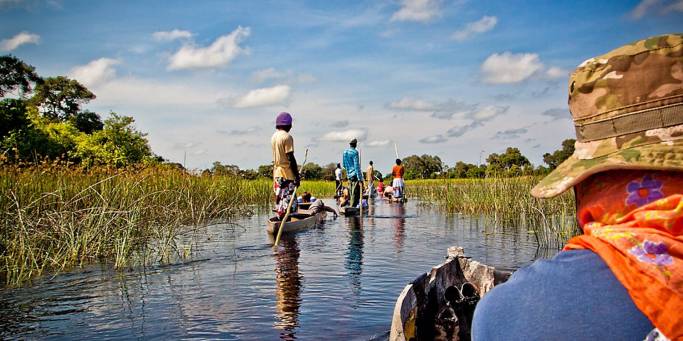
(351, 163)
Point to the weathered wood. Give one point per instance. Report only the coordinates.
(302, 220)
(439, 305)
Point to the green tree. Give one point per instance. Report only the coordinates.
(12, 115)
(422, 167)
(265, 171)
(328, 171)
(502, 164)
(557, 157)
(117, 144)
(311, 171)
(476, 172)
(60, 98)
(221, 169)
(87, 122)
(16, 75)
(248, 174)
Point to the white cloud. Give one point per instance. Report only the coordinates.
(556, 72)
(442, 110)
(482, 25)
(152, 95)
(488, 112)
(171, 35)
(220, 53)
(661, 6)
(433, 139)
(509, 67)
(510, 134)
(264, 97)
(378, 143)
(478, 119)
(345, 135)
(642, 8)
(418, 10)
(263, 75)
(676, 6)
(96, 72)
(21, 38)
(407, 103)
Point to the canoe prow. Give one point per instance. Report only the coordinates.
(440, 304)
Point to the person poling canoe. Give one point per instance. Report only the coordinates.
(338, 181)
(351, 163)
(398, 184)
(285, 170)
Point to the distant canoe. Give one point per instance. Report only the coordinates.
(439, 305)
(300, 221)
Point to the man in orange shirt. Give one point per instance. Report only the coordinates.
(398, 184)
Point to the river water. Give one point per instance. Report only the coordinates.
(337, 281)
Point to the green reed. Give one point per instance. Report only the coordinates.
(506, 202)
(54, 217)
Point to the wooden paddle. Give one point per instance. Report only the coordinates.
(289, 206)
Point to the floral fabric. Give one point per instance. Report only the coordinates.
(284, 190)
(634, 221)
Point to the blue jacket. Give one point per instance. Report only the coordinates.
(573, 296)
(351, 163)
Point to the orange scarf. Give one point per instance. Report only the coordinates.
(643, 246)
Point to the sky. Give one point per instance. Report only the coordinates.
(454, 78)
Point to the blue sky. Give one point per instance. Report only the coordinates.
(205, 79)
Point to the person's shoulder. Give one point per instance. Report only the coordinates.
(562, 288)
(281, 134)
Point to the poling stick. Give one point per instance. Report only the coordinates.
(289, 206)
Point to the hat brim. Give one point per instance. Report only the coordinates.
(657, 156)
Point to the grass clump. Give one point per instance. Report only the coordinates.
(54, 217)
(506, 201)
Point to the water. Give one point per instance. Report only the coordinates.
(339, 281)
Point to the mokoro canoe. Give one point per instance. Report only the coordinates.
(439, 305)
(300, 221)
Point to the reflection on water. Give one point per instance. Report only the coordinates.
(337, 281)
(399, 224)
(354, 256)
(288, 286)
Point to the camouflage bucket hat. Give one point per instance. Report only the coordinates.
(627, 107)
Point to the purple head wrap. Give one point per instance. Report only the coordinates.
(283, 119)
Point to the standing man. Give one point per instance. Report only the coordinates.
(353, 173)
(285, 170)
(338, 180)
(370, 175)
(398, 184)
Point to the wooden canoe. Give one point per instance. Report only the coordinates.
(300, 221)
(439, 305)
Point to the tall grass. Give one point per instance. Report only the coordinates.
(53, 217)
(506, 201)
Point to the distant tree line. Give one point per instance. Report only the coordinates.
(42, 119)
(507, 164)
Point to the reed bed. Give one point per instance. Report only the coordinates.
(506, 202)
(53, 217)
